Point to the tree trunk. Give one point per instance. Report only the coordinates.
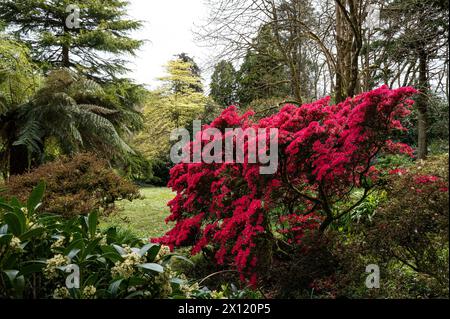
(422, 107)
(18, 160)
(65, 56)
(65, 48)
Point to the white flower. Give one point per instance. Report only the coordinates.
(58, 244)
(89, 292)
(15, 244)
(125, 269)
(189, 289)
(163, 251)
(61, 293)
(52, 263)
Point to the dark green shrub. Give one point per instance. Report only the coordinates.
(38, 250)
(407, 238)
(75, 185)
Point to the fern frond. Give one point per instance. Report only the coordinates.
(30, 136)
(97, 109)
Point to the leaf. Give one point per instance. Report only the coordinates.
(177, 281)
(114, 287)
(36, 232)
(36, 197)
(76, 244)
(73, 253)
(119, 249)
(91, 246)
(32, 268)
(111, 254)
(167, 257)
(14, 223)
(5, 206)
(92, 223)
(134, 294)
(152, 267)
(154, 249)
(4, 229)
(5, 238)
(11, 274)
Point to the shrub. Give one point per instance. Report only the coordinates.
(38, 252)
(412, 228)
(325, 152)
(75, 185)
(407, 237)
(309, 263)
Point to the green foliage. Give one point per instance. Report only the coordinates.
(175, 105)
(76, 185)
(223, 84)
(37, 251)
(194, 71)
(63, 108)
(363, 213)
(407, 237)
(93, 49)
(262, 74)
(18, 77)
(72, 112)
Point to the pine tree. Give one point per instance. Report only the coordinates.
(263, 74)
(194, 68)
(91, 44)
(223, 84)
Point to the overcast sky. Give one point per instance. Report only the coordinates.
(168, 28)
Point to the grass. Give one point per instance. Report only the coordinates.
(143, 217)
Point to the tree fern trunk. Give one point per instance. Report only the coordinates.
(18, 160)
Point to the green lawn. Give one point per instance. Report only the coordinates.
(144, 217)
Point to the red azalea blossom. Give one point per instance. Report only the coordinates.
(325, 150)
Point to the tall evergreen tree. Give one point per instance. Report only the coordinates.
(223, 84)
(89, 40)
(263, 74)
(194, 69)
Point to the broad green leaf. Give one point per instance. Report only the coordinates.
(153, 250)
(14, 223)
(4, 229)
(111, 254)
(119, 249)
(92, 223)
(11, 274)
(31, 268)
(151, 267)
(5, 238)
(114, 287)
(37, 232)
(168, 257)
(36, 197)
(76, 244)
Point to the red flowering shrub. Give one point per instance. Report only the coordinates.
(297, 225)
(325, 151)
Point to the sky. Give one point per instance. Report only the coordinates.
(168, 26)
